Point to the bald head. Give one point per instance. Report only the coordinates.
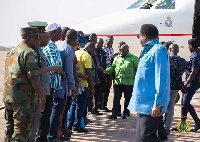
(173, 49)
(93, 37)
(90, 47)
(99, 43)
(124, 50)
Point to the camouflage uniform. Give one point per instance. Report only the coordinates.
(21, 64)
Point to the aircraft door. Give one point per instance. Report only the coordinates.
(196, 24)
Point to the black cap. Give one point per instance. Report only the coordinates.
(167, 44)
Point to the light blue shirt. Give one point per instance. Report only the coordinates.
(67, 56)
(152, 80)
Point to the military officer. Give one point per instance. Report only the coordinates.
(21, 82)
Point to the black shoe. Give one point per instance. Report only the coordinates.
(39, 139)
(124, 116)
(112, 117)
(80, 130)
(55, 140)
(175, 129)
(163, 138)
(106, 109)
(167, 131)
(97, 112)
(68, 132)
(196, 128)
(64, 138)
(119, 114)
(128, 114)
(69, 128)
(67, 135)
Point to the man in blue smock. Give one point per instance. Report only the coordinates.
(151, 90)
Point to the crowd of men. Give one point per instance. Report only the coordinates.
(57, 76)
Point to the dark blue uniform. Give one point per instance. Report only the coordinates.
(193, 62)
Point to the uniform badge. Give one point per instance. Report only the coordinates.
(168, 22)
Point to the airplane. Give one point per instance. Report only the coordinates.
(173, 18)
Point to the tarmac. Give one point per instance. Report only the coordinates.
(103, 129)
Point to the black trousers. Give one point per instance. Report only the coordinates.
(118, 90)
(106, 91)
(97, 95)
(147, 127)
(43, 127)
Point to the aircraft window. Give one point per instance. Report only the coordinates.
(137, 4)
(149, 4)
(166, 4)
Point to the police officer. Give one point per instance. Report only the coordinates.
(191, 84)
(21, 82)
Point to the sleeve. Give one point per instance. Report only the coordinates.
(181, 64)
(52, 53)
(195, 63)
(69, 69)
(31, 64)
(136, 62)
(88, 62)
(112, 67)
(162, 74)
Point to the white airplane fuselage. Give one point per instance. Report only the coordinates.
(173, 25)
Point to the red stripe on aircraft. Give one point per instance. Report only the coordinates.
(136, 34)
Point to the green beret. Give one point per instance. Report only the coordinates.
(39, 25)
(27, 31)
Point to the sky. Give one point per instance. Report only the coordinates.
(15, 14)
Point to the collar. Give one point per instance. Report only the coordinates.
(84, 50)
(128, 54)
(173, 55)
(148, 46)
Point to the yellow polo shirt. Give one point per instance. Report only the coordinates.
(84, 62)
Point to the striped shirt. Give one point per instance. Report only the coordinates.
(109, 55)
(53, 59)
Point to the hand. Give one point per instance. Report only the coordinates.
(105, 71)
(73, 95)
(57, 69)
(63, 76)
(91, 92)
(185, 85)
(84, 76)
(156, 111)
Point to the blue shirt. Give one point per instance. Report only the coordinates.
(193, 62)
(67, 56)
(53, 59)
(152, 80)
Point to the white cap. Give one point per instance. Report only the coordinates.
(52, 27)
